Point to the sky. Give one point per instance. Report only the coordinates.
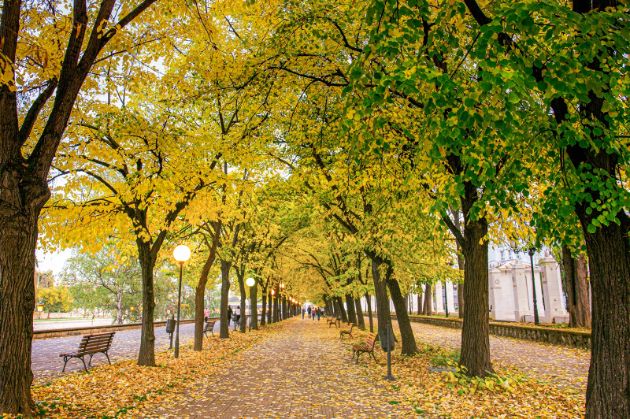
(52, 261)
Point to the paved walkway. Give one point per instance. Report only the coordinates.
(303, 371)
(47, 363)
(563, 366)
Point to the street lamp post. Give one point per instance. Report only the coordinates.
(531, 260)
(253, 303)
(181, 255)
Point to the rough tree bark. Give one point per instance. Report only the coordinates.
(427, 307)
(146, 355)
(419, 297)
(360, 316)
(341, 309)
(352, 315)
(253, 303)
(200, 289)
(384, 320)
(475, 350)
(276, 315)
(576, 284)
(368, 301)
(263, 315)
(240, 276)
(404, 324)
(460, 287)
(608, 389)
(17, 300)
(224, 324)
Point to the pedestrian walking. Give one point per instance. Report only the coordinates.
(319, 313)
(310, 310)
(313, 313)
(303, 312)
(229, 315)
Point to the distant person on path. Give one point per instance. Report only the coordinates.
(313, 313)
(309, 311)
(229, 315)
(237, 315)
(319, 313)
(303, 311)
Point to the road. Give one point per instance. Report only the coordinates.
(46, 362)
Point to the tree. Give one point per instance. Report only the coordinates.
(576, 286)
(108, 271)
(30, 132)
(55, 299)
(585, 114)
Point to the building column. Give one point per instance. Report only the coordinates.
(552, 290)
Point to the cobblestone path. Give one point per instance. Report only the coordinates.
(303, 371)
(46, 362)
(566, 367)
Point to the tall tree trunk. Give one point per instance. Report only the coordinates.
(240, 276)
(475, 352)
(330, 306)
(199, 315)
(576, 286)
(383, 315)
(200, 294)
(284, 308)
(342, 310)
(17, 301)
(146, 356)
(119, 306)
(224, 330)
(263, 314)
(360, 317)
(253, 303)
(608, 389)
(427, 308)
(404, 324)
(276, 314)
(368, 301)
(352, 315)
(419, 297)
(200, 289)
(461, 301)
(269, 308)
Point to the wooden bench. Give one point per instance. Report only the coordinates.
(348, 332)
(335, 321)
(209, 327)
(90, 345)
(365, 347)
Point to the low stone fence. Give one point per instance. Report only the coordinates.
(572, 338)
(86, 330)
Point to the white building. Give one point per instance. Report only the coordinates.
(511, 296)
